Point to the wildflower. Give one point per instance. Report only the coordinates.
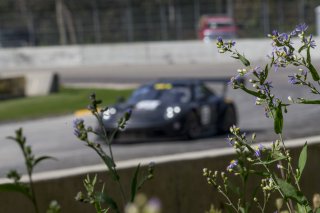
(312, 43)
(275, 33)
(301, 27)
(233, 164)
(293, 80)
(235, 81)
(232, 43)
(276, 67)
(230, 140)
(258, 150)
(283, 37)
(153, 206)
(79, 129)
(77, 133)
(77, 122)
(127, 114)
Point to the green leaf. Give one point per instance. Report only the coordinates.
(302, 159)
(134, 183)
(309, 102)
(317, 210)
(106, 159)
(313, 71)
(111, 166)
(265, 74)
(291, 192)
(39, 159)
(271, 161)
(251, 92)
(300, 209)
(243, 60)
(233, 188)
(12, 187)
(103, 198)
(278, 119)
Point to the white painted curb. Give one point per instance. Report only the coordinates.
(57, 174)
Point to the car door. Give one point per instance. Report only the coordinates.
(207, 107)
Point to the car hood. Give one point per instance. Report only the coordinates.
(145, 111)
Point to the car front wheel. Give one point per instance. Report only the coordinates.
(193, 127)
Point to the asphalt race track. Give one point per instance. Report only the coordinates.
(54, 137)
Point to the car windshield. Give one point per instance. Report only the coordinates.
(215, 25)
(162, 92)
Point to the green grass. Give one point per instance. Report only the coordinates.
(65, 102)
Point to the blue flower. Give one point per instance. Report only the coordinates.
(77, 133)
(229, 141)
(301, 27)
(258, 150)
(219, 39)
(275, 33)
(312, 42)
(232, 43)
(283, 37)
(293, 80)
(304, 73)
(233, 164)
(235, 80)
(77, 122)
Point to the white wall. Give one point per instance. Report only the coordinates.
(178, 52)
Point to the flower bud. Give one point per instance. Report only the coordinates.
(279, 203)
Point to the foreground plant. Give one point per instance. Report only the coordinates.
(27, 188)
(272, 164)
(100, 197)
(141, 204)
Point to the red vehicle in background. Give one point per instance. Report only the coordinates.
(213, 26)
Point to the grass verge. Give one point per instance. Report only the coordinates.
(68, 100)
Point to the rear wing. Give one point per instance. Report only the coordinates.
(221, 80)
(218, 80)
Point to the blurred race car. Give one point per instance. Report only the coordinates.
(174, 108)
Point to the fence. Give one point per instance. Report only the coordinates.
(53, 22)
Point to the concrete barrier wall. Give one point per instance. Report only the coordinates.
(178, 182)
(177, 52)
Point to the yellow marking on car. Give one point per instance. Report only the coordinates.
(83, 112)
(162, 86)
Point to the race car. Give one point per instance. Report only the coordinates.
(173, 108)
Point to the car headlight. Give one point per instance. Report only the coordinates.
(108, 113)
(172, 111)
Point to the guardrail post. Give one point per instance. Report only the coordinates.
(317, 10)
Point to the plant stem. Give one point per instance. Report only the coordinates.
(33, 195)
(229, 201)
(108, 142)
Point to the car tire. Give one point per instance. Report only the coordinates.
(193, 127)
(229, 118)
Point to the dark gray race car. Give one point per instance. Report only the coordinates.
(174, 108)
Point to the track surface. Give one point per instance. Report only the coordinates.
(53, 136)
